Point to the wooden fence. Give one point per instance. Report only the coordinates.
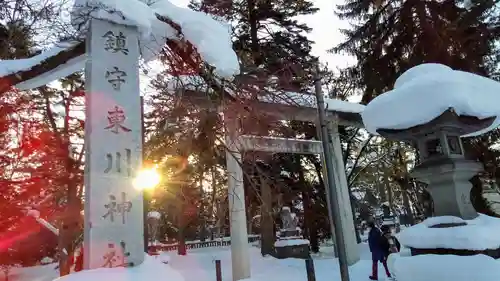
(198, 245)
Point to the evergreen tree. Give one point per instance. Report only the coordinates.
(276, 56)
(269, 40)
(389, 37)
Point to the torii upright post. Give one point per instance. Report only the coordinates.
(344, 198)
(113, 208)
(240, 256)
(334, 188)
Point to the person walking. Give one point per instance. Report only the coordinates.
(374, 242)
(389, 244)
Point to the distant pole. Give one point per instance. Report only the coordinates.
(331, 191)
(145, 194)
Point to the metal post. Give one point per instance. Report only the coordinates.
(311, 274)
(145, 194)
(332, 192)
(218, 271)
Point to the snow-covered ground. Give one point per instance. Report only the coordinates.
(36, 273)
(199, 265)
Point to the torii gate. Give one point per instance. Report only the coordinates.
(117, 157)
(285, 106)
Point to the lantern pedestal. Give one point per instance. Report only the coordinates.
(291, 245)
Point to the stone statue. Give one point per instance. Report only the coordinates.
(290, 243)
(288, 219)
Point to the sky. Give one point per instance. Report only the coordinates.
(325, 31)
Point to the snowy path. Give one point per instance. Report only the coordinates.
(199, 265)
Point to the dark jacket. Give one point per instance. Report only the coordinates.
(385, 246)
(374, 242)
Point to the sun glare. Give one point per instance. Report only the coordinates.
(147, 179)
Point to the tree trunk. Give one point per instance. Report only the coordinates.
(254, 39)
(381, 185)
(213, 201)
(201, 212)
(405, 187)
(406, 203)
(71, 218)
(381, 189)
(266, 219)
(353, 211)
(181, 241)
(387, 185)
(319, 173)
(310, 230)
(221, 210)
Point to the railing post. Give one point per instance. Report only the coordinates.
(218, 271)
(311, 275)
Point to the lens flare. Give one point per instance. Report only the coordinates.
(147, 179)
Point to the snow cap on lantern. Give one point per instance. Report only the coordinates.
(426, 91)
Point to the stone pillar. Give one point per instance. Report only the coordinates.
(240, 256)
(349, 231)
(114, 227)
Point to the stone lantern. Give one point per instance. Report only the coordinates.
(443, 166)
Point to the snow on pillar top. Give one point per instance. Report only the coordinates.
(211, 38)
(154, 215)
(128, 12)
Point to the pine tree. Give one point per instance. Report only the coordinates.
(389, 37)
(275, 55)
(273, 46)
(269, 38)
